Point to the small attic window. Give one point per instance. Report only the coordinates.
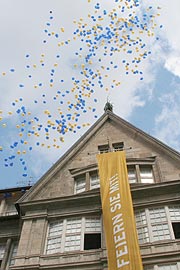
(103, 148)
(119, 146)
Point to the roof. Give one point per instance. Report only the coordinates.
(107, 116)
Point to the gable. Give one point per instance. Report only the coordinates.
(109, 129)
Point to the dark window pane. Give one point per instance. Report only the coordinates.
(176, 229)
(92, 241)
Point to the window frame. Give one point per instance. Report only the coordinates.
(150, 223)
(118, 146)
(12, 254)
(77, 179)
(3, 245)
(97, 185)
(105, 148)
(137, 168)
(87, 180)
(65, 233)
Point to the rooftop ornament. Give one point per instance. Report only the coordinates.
(108, 107)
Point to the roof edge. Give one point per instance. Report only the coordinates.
(100, 121)
(80, 142)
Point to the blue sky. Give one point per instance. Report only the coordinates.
(47, 68)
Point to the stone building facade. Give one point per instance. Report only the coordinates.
(59, 222)
(10, 225)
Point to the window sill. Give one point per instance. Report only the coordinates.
(73, 253)
(160, 243)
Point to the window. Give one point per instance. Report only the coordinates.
(132, 174)
(104, 148)
(92, 241)
(141, 223)
(94, 180)
(160, 227)
(163, 224)
(175, 219)
(118, 146)
(140, 174)
(92, 236)
(176, 229)
(13, 253)
(74, 234)
(2, 251)
(146, 174)
(80, 183)
(86, 181)
(54, 237)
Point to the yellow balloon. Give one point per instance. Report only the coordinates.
(61, 139)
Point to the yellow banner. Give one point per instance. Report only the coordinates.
(118, 216)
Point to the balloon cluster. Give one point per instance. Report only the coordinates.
(105, 42)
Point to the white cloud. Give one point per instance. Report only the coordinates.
(167, 124)
(173, 64)
(171, 35)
